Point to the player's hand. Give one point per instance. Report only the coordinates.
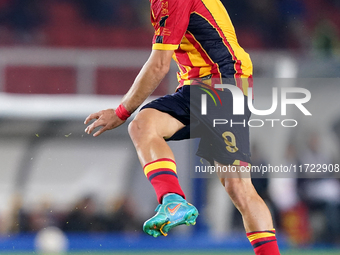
(107, 119)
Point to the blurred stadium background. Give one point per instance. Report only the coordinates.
(62, 60)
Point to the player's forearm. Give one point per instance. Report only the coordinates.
(145, 83)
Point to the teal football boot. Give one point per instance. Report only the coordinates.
(174, 211)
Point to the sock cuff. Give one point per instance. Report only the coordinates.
(159, 160)
(264, 242)
(273, 231)
(260, 234)
(160, 166)
(263, 235)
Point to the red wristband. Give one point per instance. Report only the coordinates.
(122, 113)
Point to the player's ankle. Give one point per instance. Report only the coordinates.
(168, 194)
(171, 196)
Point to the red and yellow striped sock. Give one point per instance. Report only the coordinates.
(163, 177)
(264, 242)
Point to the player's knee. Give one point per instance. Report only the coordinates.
(139, 129)
(134, 129)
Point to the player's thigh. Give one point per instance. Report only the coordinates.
(155, 122)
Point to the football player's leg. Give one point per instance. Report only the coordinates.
(256, 215)
(148, 131)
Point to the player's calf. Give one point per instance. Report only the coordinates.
(256, 215)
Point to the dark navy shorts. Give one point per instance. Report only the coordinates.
(227, 143)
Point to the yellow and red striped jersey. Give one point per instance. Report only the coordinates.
(203, 39)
